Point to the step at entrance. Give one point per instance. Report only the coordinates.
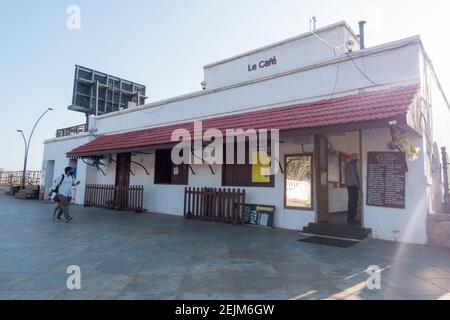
(337, 231)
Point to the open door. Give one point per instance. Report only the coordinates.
(321, 166)
(123, 166)
(123, 169)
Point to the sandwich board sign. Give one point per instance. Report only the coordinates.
(259, 215)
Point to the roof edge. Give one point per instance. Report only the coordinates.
(282, 42)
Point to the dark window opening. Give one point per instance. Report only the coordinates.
(168, 173)
(248, 174)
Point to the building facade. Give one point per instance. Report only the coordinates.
(327, 97)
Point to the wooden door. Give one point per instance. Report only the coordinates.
(123, 169)
(123, 166)
(321, 169)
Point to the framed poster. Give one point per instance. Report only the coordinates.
(334, 169)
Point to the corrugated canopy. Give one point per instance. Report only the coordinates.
(351, 109)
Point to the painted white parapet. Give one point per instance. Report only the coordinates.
(303, 50)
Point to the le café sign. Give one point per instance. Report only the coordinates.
(262, 64)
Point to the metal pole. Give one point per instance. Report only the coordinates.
(445, 175)
(27, 146)
(25, 159)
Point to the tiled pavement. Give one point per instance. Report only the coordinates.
(149, 256)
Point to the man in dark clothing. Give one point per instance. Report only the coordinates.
(353, 186)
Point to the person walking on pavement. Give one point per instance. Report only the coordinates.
(353, 186)
(63, 189)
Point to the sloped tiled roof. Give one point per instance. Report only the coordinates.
(365, 106)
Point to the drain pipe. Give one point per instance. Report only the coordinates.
(361, 34)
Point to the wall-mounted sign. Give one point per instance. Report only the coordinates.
(259, 215)
(262, 64)
(386, 179)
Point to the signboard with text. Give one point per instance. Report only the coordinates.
(386, 179)
(259, 215)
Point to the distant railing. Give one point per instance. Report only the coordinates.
(224, 205)
(71, 131)
(9, 178)
(128, 198)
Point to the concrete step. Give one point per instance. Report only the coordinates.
(341, 227)
(337, 231)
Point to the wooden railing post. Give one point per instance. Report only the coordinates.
(129, 198)
(214, 204)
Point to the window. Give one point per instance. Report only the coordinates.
(299, 183)
(247, 175)
(168, 173)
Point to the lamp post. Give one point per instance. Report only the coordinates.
(27, 145)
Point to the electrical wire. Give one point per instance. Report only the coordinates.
(360, 71)
(286, 12)
(300, 24)
(196, 10)
(338, 67)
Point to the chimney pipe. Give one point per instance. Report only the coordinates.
(361, 34)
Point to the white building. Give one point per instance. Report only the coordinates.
(328, 97)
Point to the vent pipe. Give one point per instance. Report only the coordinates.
(361, 34)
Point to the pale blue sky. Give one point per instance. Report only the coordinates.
(164, 45)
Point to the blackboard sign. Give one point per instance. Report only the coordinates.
(258, 215)
(386, 179)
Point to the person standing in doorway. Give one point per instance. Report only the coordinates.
(63, 189)
(353, 186)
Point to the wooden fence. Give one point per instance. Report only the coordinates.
(129, 198)
(224, 205)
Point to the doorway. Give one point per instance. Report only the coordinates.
(49, 176)
(123, 166)
(122, 185)
(332, 151)
(321, 151)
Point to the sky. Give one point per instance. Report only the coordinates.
(164, 45)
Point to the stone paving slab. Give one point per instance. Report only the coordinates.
(149, 256)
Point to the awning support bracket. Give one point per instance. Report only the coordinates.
(142, 166)
(97, 166)
(281, 168)
(192, 170)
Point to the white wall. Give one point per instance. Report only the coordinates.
(55, 150)
(406, 225)
(305, 50)
(438, 113)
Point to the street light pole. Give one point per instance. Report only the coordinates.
(27, 145)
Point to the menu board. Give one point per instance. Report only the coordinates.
(259, 215)
(386, 179)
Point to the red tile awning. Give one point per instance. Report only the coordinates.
(352, 109)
